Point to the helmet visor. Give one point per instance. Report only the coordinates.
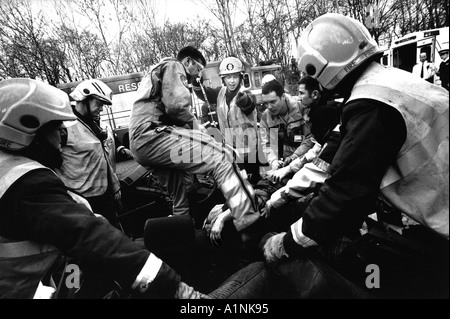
(103, 99)
(335, 44)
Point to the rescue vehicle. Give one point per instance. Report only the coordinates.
(404, 52)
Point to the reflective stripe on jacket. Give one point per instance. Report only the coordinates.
(86, 166)
(418, 184)
(239, 130)
(109, 145)
(23, 264)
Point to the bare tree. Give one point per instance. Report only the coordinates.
(122, 18)
(28, 50)
(110, 21)
(224, 10)
(142, 51)
(90, 41)
(416, 15)
(86, 51)
(298, 14)
(150, 42)
(434, 14)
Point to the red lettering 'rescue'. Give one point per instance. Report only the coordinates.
(128, 87)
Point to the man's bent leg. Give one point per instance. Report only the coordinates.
(235, 187)
(178, 184)
(198, 153)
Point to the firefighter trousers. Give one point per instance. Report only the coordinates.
(178, 153)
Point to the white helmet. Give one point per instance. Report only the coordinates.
(332, 46)
(267, 78)
(230, 65)
(444, 47)
(25, 106)
(94, 88)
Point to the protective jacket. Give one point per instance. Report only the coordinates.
(18, 257)
(165, 102)
(282, 135)
(36, 208)
(444, 73)
(88, 162)
(418, 183)
(238, 128)
(408, 160)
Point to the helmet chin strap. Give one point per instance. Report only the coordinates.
(97, 129)
(43, 152)
(88, 109)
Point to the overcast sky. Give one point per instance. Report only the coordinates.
(173, 10)
(183, 10)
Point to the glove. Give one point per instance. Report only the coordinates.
(128, 153)
(195, 81)
(274, 249)
(186, 292)
(124, 154)
(203, 129)
(276, 164)
(242, 100)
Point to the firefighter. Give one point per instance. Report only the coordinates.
(323, 117)
(310, 170)
(443, 67)
(41, 220)
(267, 78)
(394, 147)
(285, 199)
(236, 113)
(89, 152)
(283, 126)
(167, 138)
